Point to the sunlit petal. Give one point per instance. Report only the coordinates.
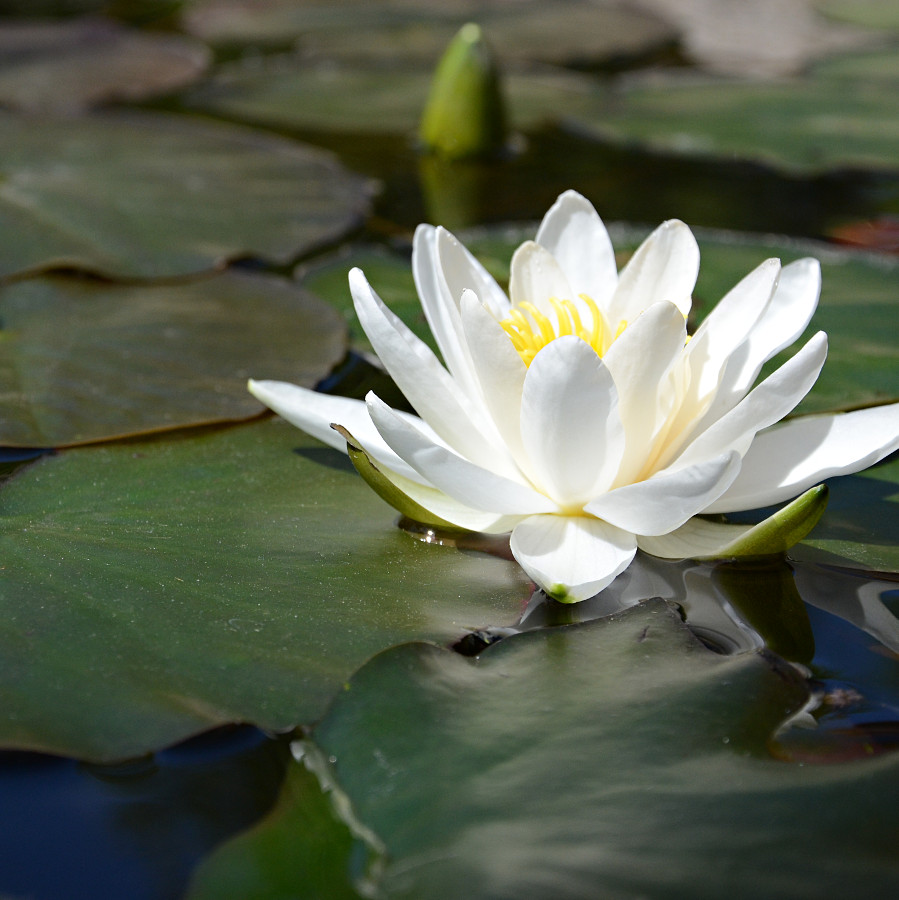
(664, 502)
(574, 234)
(663, 268)
(571, 558)
(570, 425)
(470, 484)
(537, 278)
(791, 457)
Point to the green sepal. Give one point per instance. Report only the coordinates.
(783, 529)
(387, 490)
(465, 116)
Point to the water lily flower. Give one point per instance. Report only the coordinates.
(577, 415)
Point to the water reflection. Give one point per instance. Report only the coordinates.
(133, 830)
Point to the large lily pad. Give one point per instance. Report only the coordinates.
(640, 753)
(828, 120)
(870, 13)
(85, 360)
(614, 759)
(66, 66)
(153, 589)
(153, 195)
(391, 31)
(294, 93)
(859, 300)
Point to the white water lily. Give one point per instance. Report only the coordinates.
(577, 414)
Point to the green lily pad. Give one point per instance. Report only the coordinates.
(152, 195)
(641, 754)
(86, 361)
(294, 93)
(154, 589)
(64, 67)
(868, 13)
(858, 309)
(391, 31)
(614, 759)
(827, 120)
(861, 525)
(300, 850)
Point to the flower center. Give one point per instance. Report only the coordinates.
(530, 331)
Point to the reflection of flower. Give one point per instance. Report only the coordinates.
(577, 414)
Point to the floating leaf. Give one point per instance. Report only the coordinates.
(614, 759)
(67, 66)
(294, 93)
(869, 13)
(565, 31)
(150, 195)
(300, 850)
(861, 527)
(85, 360)
(834, 118)
(155, 589)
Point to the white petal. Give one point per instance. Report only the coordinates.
(574, 234)
(314, 413)
(727, 325)
(571, 558)
(664, 502)
(663, 268)
(790, 458)
(638, 361)
(500, 370)
(694, 539)
(783, 321)
(455, 416)
(449, 509)
(536, 277)
(462, 270)
(768, 403)
(470, 484)
(438, 306)
(570, 426)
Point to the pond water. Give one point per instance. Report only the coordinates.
(160, 572)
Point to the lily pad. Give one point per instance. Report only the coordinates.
(641, 754)
(144, 195)
(86, 361)
(300, 850)
(294, 93)
(868, 13)
(67, 66)
(861, 526)
(155, 589)
(858, 309)
(390, 31)
(825, 121)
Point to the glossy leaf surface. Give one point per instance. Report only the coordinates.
(155, 589)
(85, 360)
(143, 195)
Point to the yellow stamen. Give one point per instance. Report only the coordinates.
(530, 330)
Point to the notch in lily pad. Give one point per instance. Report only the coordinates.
(465, 115)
